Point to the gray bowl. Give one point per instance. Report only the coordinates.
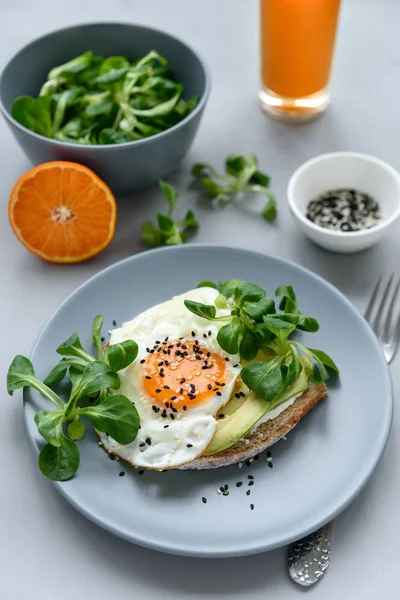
(127, 166)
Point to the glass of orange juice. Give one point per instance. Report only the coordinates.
(297, 42)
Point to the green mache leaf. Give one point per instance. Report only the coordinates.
(207, 311)
(21, 374)
(72, 67)
(190, 221)
(270, 211)
(120, 356)
(203, 170)
(262, 332)
(96, 335)
(151, 234)
(73, 347)
(163, 108)
(289, 300)
(212, 188)
(166, 224)
(206, 283)
(109, 136)
(256, 310)
(34, 114)
(227, 288)
(278, 326)
(294, 368)
(264, 378)
(235, 164)
(96, 376)
(59, 463)
(110, 77)
(46, 422)
(320, 374)
(101, 107)
(228, 336)
(175, 238)
(325, 359)
(260, 179)
(170, 193)
(58, 373)
(248, 292)
(113, 63)
(248, 347)
(308, 324)
(76, 430)
(115, 415)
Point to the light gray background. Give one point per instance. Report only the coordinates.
(48, 550)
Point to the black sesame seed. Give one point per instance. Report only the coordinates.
(182, 380)
(166, 362)
(166, 339)
(239, 483)
(166, 387)
(248, 463)
(142, 444)
(189, 445)
(237, 395)
(181, 391)
(242, 394)
(193, 334)
(164, 414)
(157, 342)
(227, 359)
(166, 404)
(219, 394)
(252, 506)
(204, 335)
(160, 364)
(226, 486)
(122, 473)
(114, 322)
(148, 377)
(141, 471)
(221, 416)
(147, 349)
(204, 500)
(148, 441)
(257, 456)
(250, 477)
(209, 387)
(184, 407)
(209, 332)
(248, 493)
(111, 456)
(271, 466)
(222, 488)
(172, 416)
(158, 390)
(102, 339)
(142, 361)
(166, 426)
(175, 410)
(251, 482)
(268, 453)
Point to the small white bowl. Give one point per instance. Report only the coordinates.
(337, 170)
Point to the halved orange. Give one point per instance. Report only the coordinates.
(62, 212)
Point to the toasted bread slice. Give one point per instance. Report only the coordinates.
(266, 434)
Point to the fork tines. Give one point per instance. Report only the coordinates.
(383, 313)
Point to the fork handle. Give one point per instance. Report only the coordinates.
(310, 557)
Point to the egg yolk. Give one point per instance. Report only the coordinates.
(178, 375)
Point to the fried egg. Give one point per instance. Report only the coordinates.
(179, 382)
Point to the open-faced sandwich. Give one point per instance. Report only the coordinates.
(207, 379)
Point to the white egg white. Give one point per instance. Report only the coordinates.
(188, 435)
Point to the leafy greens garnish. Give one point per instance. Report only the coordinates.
(253, 327)
(96, 100)
(241, 177)
(91, 377)
(167, 231)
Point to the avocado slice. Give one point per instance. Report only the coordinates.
(235, 426)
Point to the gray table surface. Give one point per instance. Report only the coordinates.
(48, 550)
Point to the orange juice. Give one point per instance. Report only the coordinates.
(297, 42)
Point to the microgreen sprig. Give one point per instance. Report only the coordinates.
(90, 377)
(254, 329)
(166, 230)
(241, 177)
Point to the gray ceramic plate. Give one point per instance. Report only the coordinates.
(317, 472)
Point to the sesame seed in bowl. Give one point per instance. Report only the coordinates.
(344, 201)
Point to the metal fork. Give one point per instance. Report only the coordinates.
(309, 558)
